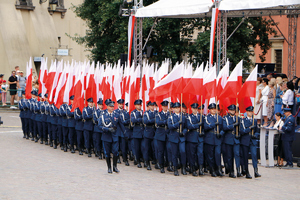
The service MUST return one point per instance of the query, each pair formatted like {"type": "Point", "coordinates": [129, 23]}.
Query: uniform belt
{"type": "Point", "coordinates": [127, 126]}
{"type": "Point", "coordinates": [138, 124]}
{"type": "Point", "coordinates": [65, 117]}
{"type": "Point", "coordinates": [161, 126]}
{"type": "Point", "coordinates": [150, 126]}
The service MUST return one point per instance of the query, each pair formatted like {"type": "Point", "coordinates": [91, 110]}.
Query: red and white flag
{"type": "Point", "coordinates": [209, 83]}
{"type": "Point", "coordinates": [130, 36]}
{"type": "Point", "coordinates": [60, 89]}
{"type": "Point", "coordinates": [42, 77]}
{"type": "Point", "coordinates": [91, 84]}
{"type": "Point", "coordinates": [79, 92]}
{"type": "Point", "coordinates": [55, 81]}
{"type": "Point", "coordinates": [214, 19]}
{"type": "Point", "coordinates": [28, 79]}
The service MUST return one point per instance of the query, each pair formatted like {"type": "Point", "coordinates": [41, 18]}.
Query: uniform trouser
{"type": "Point", "coordinates": [124, 147]}
{"type": "Point", "coordinates": [40, 129]}
{"type": "Point", "coordinates": [26, 120]}
{"type": "Point", "coordinates": [213, 155]}
{"type": "Point", "coordinates": [200, 153]}
{"type": "Point", "coordinates": [252, 149]}
{"type": "Point", "coordinates": [72, 135]}
{"type": "Point", "coordinates": [169, 151]}
{"type": "Point", "coordinates": [60, 134]}
{"type": "Point", "coordinates": [178, 148]}
{"type": "Point", "coordinates": [88, 135]}
{"type": "Point", "coordinates": [233, 151]}
{"type": "Point", "coordinates": [45, 130]}
{"type": "Point", "coordinates": [287, 149]}
{"type": "Point", "coordinates": [155, 148]}
{"type": "Point", "coordinates": [147, 148]}
{"type": "Point", "coordinates": [161, 147]}
{"type": "Point", "coordinates": [35, 128]}
{"type": "Point", "coordinates": [79, 134]}
{"type": "Point", "coordinates": [30, 126]}
{"type": "Point", "coordinates": [97, 141]}
{"type": "Point", "coordinates": [65, 134]}
{"type": "Point", "coordinates": [23, 124]}
{"type": "Point", "coordinates": [111, 147]}
{"type": "Point", "coordinates": [137, 142]}
{"type": "Point", "coordinates": [224, 154]}
{"type": "Point", "coordinates": [50, 131]}
{"type": "Point", "coordinates": [153, 152]}
{"type": "Point", "coordinates": [54, 131]}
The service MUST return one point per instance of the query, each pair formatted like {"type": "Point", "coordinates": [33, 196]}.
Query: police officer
{"type": "Point", "coordinates": [49, 120]}
{"type": "Point", "coordinates": [38, 118]}
{"type": "Point", "coordinates": [108, 124]}
{"type": "Point", "coordinates": [65, 129]}
{"type": "Point", "coordinates": [97, 133]}
{"type": "Point", "coordinates": [71, 124]}
{"type": "Point", "coordinates": [23, 115]}
{"type": "Point", "coordinates": [194, 137]}
{"type": "Point", "coordinates": [87, 115]}
{"type": "Point", "coordinates": [79, 129]}
{"type": "Point", "coordinates": [231, 123]}
{"type": "Point", "coordinates": [127, 134]}
{"type": "Point", "coordinates": [161, 123]}
{"type": "Point", "coordinates": [54, 119]}
{"type": "Point", "coordinates": [60, 128]}
{"type": "Point", "coordinates": [44, 129]}
{"type": "Point", "coordinates": [33, 115]}
{"type": "Point", "coordinates": [149, 131]}
{"type": "Point", "coordinates": [213, 139]}
{"type": "Point", "coordinates": [288, 136]}
{"type": "Point", "coordinates": [176, 124]}
{"type": "Point", "coordinates": [120, 128]}
{"type": "Point", "coordinates": [138, 130]}
{"type": "Point", "coordinates": [30, 113]}
{"type": "Point", "coordinates": [249, 135]}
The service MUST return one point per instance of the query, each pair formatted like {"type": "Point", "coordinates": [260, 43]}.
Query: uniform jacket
{"type": "Point", "coordinates": [78, 118]}
{"type": "Point", "coordinates": [161, 123]}
{"type": "Point", "coordinates": [87, 115]}
{"type": "Point", "coordinates": [120, 128]}
{"type": "Point", "coordinates": [63, 114]}
{"type": "Point", "coordinates": [210, 129]}
{"type": "Point", "coordinates": [149, 123]}
{"type": "Point", "coordinates": [43, 111]}
{"type": "Point", "coordinates": [288, 129]}
{"type": "Point", "coordinates": [174, 127]}
{"type": "Point", "coordinates": [125, 123]}
{"type": "Point", "coordinates": [230, 130]}
{"type": "Point", "coordinates": [70, 116]}
{"type": "Point", "coordinates": [246, 138]}
{"type": "Point", "coordinates": [107, 121]}
{"type": "Point", "coordinates": [96, 115]}
{"type": "Point", "coordinates": [54, 118]}
{"type": "Point", "coordinates": [193, 128]}
{"type": "Point", "coordinates": [137, 123]}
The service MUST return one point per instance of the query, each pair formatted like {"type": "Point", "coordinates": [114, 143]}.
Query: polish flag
{"type": "Point", "coordinates": [60, 89]}
{"type": "Point", "coordinates": [233, 86]}
{"type": "Point", "coordinates": [215, 12]}
{"type": "Point", "coordinates": [209, 83]}
{"type": "Point", "coordinates": [248, 91]}
{"type": "Point", "coordinates": [90, 84]}
{"type": "Point", "coordinates": [222, 78]}
{"type": "Point", "coordinates": [79, 92]}
{"type": "Point", "coordinates": [144, 85]}
{"type": "Point", "coordinates": [42, 75]}
{"type": "Point", "coordinates": [195, 85]}
{"type": "Point", "coordinates": [69, 84]}
{"type": "Point", "coordinates": [117, 82]}
{"type": "Point", "coordinates": [130, 36]}
{"type": "Point", "coordinates": [55, 80]}
{"type": "Point", "coordinates": [150, 82]}
{"type": "Point", "coordinates": [28, 80]}
{"type": "Point", "coordinates": [133, 95]}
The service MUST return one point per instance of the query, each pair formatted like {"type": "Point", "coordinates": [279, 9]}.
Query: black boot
{"type": "Point", "coordinates": [61, 146]}
{"type": "Point", "coordinates": [212, 172]}
{"type": "Point", "coordinates": [32, 138]}
{"type": "Point", "coordinates": [238, 172]}
{"type": "Point", "coordinates": [170, 168]}
{"type": "Point", "coordinates": [100, 155]}
{"type": "Point", "coordinates": [231, 174]}
{"type": "Point", "coordinates": [119, 161]}
{"type": "Point", "coordinates": [157, 166]}
{"type": "Point", "coordinates": [27, 136]}
{"type": "Point", "coordinates": [36, 139]}
{"type": "Point", "coordinates": [46, 142]}
{"type": "Point", "coordinates": [201, 172]}
{"type": "Point", "coordinates": [193, 171]}
{"type": "Point", "coordinates": [256, 174]}
{"type": "Point", "coordinates": [80, 152]}
{"type": "Point", "coordinates": [55, 144]}
{"type": "Point", "coordinates": [135, 161]}
{"type": "Point", "coordinates": [149, 165]}
{"type": "Point", "coordinates": [24, 135]}
{"type": "Point", "coordinates": [183, 170]}
{"type": "Point", "coordinates": [226, 168]}
{"type": "Point", "coordinates": [72, 149]}
{"type": "Point", "coordinates": [65, 148]}
{"type": "Point", "coordinates": [51, 144]}
{"type": "Point", "coordinates": [89, 153]}
{"type": "Point", "coordinates": [115, 161]}
{"type": "Point", "coordinates": [248, 175]}
{"type": "Point", "coordinates": [108, 162]}
{"type": "Point", "coordinates": [131, 157]}
{"type": "Point", "coordinates": [138, 163]}
{"type": "Point", "coordinates": [243, 170]}
{"type": "Point", "coordinates": [126, 162]}
{"type": "Point", "coordinates": [219, 172]}
{"type": "Point", "coordinates": [42, 141]}
{"type": "Point", "coordinates": [176, 171]}
{"type": "Point", "coordinates": [162, 169]}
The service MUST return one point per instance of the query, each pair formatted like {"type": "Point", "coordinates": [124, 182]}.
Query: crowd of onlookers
{"type": "Point", "coordinates": [14, 85]}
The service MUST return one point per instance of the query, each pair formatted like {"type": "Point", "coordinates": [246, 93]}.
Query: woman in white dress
{"type": "Point", "coordinates": [264, 99]}
{"type": "Point", "coordinates": [257, 109]}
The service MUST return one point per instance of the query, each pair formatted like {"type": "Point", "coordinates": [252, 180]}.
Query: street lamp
{"type": "Point", "coordinates": [53, 5]}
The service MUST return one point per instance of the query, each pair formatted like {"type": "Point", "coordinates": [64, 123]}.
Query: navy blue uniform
{"type": "Point", "coordinates": [126, 143]}
{"type": "Point", "coordinates": [65, 129]}
{"type": "Point", "coordinates": [23, 115]}
{"type": "Point", "coordinates": [194, 141]}
{"type": "Point", "coordinates": [71, 126]}
{"type": "Point", "coordinates": [79, 128]}
{"type": "Point", "coordinates": [32, 117]}
{"type": "Point", "coordinates": [249, 142]}
{"type": "Point", "coordinates": [97, 131]}
{"type": "Point", "coordinates": [59, 128]}
{"type": "Point", "coordinates": [231, 140]}
{"type": "Point", "coordinates": [49, 119]}
{"type": "Point", "coordinates": [137, 132]}
{"type": "Point", "coordinates": [149, 131]}
{"type": "Point", "coordinates": [108, 124]}
{"type": "Point", "coordinates": [176, 139]}
{"type": "Point", "coordinates": [54, 119]}
{"type": "Point", "coordinates": [88, 127]}
{"type": "Point", "coordinates": [161, 134]}
{"type": "Point", "coordinates": [44, 134]}
{"type": "Point", "coordinates": [213, 140]}
{"type": "Point", "coordinates": [287, 138]}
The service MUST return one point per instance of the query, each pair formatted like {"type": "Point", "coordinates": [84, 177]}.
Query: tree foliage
{"type": "Point", "coordinates": [106, 36]}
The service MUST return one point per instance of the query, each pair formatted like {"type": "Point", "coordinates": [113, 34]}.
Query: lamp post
{"type": "Point", "coordinates": [53, 5]}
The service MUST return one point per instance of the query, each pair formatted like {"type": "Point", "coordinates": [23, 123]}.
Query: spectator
{"type": "Point", "coordinates": [4, 88]}
{"type": "Point", "coordinates": [264, 99]}
{"type": "Point", "coordinates": [22, 84]}
{"type": "Point", "coordinates": [279, 151]}
{"type": "Point", "coordinates": [278, 100]}
{"type": "Point", "coordinates": [270, 102]}
{"type": "Point", "coordinates": [36, 85]}
{"type": "Point", "coordinates": [1, 80]}
{"type": "Point", "coordinates": [288, 96]}
{"type": "Point", "coordinates": [257, 100]}
{"type": "Point", "coordinates": [13, 81]}
{"type": "Point", "coordinates": [269, 77]}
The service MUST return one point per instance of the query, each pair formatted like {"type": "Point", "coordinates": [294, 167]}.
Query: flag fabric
{"type": "Point", "coordinates": [214, 19]}
{"type": "Point", "coordinates": [50, 78]}
{"type": "Point", "coordinates": [42, 75]}
{"type": "Point", "coordinates": [28, 79]}
{"type": "Point", "coordinates": [130, 36]}
{"type": "Point", "coordinates": [60, 89]}
{"type": "Point", "coordinates": [79, 92]}
{"type": "Point", "coordinates": [209, 83]}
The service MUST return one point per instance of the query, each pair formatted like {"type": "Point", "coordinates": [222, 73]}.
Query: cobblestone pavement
{"type": "Point", "coordinates": [30, 170]}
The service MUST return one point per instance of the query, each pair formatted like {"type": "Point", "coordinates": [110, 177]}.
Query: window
{"type": "Point", "coordinates": [278, 60]}
{"type": "Point", "coordinates": [57, 6]}
{"type": "Point", "coordinates": [24, 5]}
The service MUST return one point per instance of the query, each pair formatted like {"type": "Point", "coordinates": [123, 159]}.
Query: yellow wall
{"type": "Point", "coordinates": [25, 34]}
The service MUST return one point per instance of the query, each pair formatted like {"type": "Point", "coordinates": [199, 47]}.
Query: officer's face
{"type": "Point", "coordinates": [138, 107]}
{"type": "Point", "coordinates": [126, 108]}
{"type": "Point", "coordinates": [213, 111]}
{"type": "Point", "coordinates": [231, 112]}
{"type": "Point", "coordinates": [176, 110]}
{"type": "Point", "coordinates": [90, 104]}
{"type": "Point", "coordinates": [165, 108]}
{"type": "Point", "coordinates": [100, 106]}
{"type": "Point", "coordinates": [194, 110]}
{"type": "Point", "coordinates": [151, 108]}
{"type": "Point", "coordinates": [120, 106]}
{"type": "Point", "coordinates": [71, 101]}
{"type": "Point", "coordinates": [249, 113]}
{"type": "Point", "coordinates": [200, 111]}
{"type": "Point", "coordinates": [287, 113]}
{"type": "Point", "coordinates": [110, 109]}
{"type": "Point", "coordinates": [184, 110]}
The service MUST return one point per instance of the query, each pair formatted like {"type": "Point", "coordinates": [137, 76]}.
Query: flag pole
{"type": "Point", "coordinates": [253, 120]}
{"type": "Point", "coordinates": [180, 127]}
{"type": "Point", "coordinates": [217, 115]}
{"type": "Point", "coordinates": [200, 128]}
{"type": "Point", "coordinates": [236, 110]}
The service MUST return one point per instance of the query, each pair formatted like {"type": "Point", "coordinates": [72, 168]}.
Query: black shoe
{"type": "Point", "coordinates": [213, 173]}
{"type": "Point", "coordinates": [139, 165]}
{"type": "Point", "coordinates": [176, 171]}
{"type": "Point", "coordinates": [243, 170]}
{"type": "Point", "coordinates": [145, 164]}
{"type": "Point", "coordinates": [61, 147]}
{"type": "Point", "coordinates": [80, 153]}
{"type": "Point", "coordinates": [201, 172]}
{"type": "Point", "coordinates": [238, 172]}
{"type": "Point", "coordinates": [219, 172]}
{"type": "Point", "coordinates": [256, 174]}
{"type": "Point", "coordinates": [46, 142]}
{"type": "Point", "coordinates": [226, 168]}
{"type": "Point", "coordinates": [287, 166]}
{"type": "Point", "coordinates": [51, 144]}
{"type": "Point", "coordinates": [72, 149]}
{"type": "Point", "coordinates": [135, 161]}
{"type": "Point", "coordinates": [100, 156]}
{"type": "Point", "coordinates": [248, 175]}
{"type": "Point", "coordinates": [153, 162]}
{"type": "Point", "coordinates": [32, 139]}
{"type": "Point", "coordinates": [115, 161]}
{"type": "Point", "coordinates": [41, 141]}
{"type": "Point", "coordinates": [36, 140]}
{"type": "Point", "coordinates": [231, 174]}
{"type": "Point", "coordinates": [119, 161]}
{"type": "Point", "coordinates": [27, 136]}
{"type": "Point", "coordinates": [149, 165]}
{"type": "Point", "coordinates": [131, 157]}
{"type": "Point", "coordinates": [162, 170]}
{"type": "Point", "coordinates": [55, 146]}
{"type": "Point", "coordinates": [65, 148]}
{"type": "Point", "coordinates": [157, 166]}
{"type": "Point", "coordinates": [126, 162]}
{"type": "Point", "coordinates": [170, 168]}
{"type": "Point", "coordinates": [194, 173]}
{"type": "Point", "coordinates": [108, 162]}
{"type": "Point", "coordinates": [89, 153]}
{"type": "Point", "coordinates": [183, 170]}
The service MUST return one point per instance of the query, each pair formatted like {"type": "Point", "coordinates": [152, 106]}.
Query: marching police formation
{"type": "Point", "coordinates": [171, 138]}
